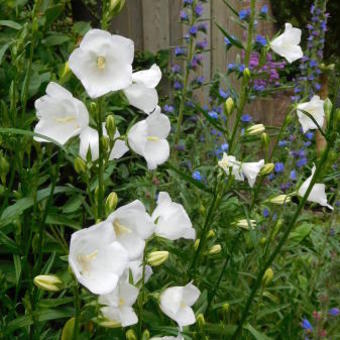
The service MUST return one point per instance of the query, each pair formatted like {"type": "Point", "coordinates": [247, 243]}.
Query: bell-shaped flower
{"type": "Point", "coordinates": [61, 116]}
{"type": "Point", "coordinates": [148, 138]}
{"type": "Point", "coordinates": [132, 225]}
{"type": "Point", "coordinates": [318, 193]}
{"type": "Point", "coordinates": [136, 269]}
{"type": "Point", "coordinates": [251, 170]}
{"type": "Point", "coordinates": [230, 163]}
{"type": "Point", "coordinates": [315, 107]}
{"type": "Point", "coordinates": [142, 93]}
{"type": "Point", "coordinates": [287, 44]}
{"type": "Point", "coordinates": [103, 62]}
{"type": "Point", "coordinates": [89, 141]}
{"type": "Point", "coordinates": [96, 259]}
{"type": "Point", "coordinates": [178, 337]}
{"type": "Point", "coordinates": [171, 219]}
{"type": "Point", "coordinates": [118, 305]}
{"type": "Point", "coordinates": [176, 303]}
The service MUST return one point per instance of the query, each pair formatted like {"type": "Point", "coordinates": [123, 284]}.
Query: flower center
{"type": "Point", "coordinates": [101, 62]}
{"type": "Point", "coordinates": [64, 120]}
{"type": "Point", "coordinates": [152, 138]}
{"type": "Point", "coordinates": [183, 304]}
{"type": "Point", "coordinates": [120, 229]}
{"type": "Point", "coordinates": [85, 261]}
{"type": "Point", "coordinates": [121, 302]}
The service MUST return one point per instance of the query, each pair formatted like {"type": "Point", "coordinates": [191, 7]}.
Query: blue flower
{"type": "Point", "coordinates": [179, 51]}
{"type": "Point", "coordinates": [313, 63]}
{"type": "Point", "coordinates": [176, 68]}
{"type": "Point", "coordinates": [199, 10]}
{"type": "Point", "coordinates": [279, 167]}
{"type": "Point", "coordinates": [306, 325]}
{"type": "Point", "coordinates": [227, 41]}
{"type": "Point", "coordinates": [168, 108]}
{"type": "Point", "coordinates": [244, 14]}
{"type": "Point", "coordinates": [241, 68]}
{"type": "Point", "coordinates": [309, 135]}
{"type": "Point", "coordinates": [246, 118]}
{"type": "Point", "coordinates": [264, 10]}
{"type": "Point", "coordinates": [334, 311]}
{"type": "Point", "coordinates": [261, 40]}
{"type": "Point", "coordinates": [193, 30]}
{"type": "Point", "coordinates": [301, 162]}
{"type": "Point", "coordinates": [183, 15]}
{"type": "Point", "coordinates": [196, 175]}
{"type": "Point", "coordinates": [230, 67]}
{"type": "Point", "coordinates": [178, 85]}
{"type": "Point", "coordinates": [283, 143]}
{"type": "Point", "coordinates": [200, 80]}
{"type": "Point", "coordinates": [225, 147]}
{"type": "Point", "coordinates": [213, 114]}
{"type": "Point", "coordinates": [265, 213]}
{"type": "Point", "coordinates": [188, 2]}
{"type": "Point", "coordinates": [293, 175]}
{"type": "Point", "coordinates": [223, 94]}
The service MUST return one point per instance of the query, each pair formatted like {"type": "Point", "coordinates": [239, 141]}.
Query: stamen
{"type": "Point", "coordinates": [85, 261]}
{"type": "Point", "coordinates": [152, 138]}
{"type": "Point", "coordinates": [64, 120]}
{"type": "Point", "coordinates": [120, 229]}
{"type": "Point", "coordinates": [101, 62]}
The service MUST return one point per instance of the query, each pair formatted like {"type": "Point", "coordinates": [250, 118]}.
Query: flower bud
{"type": "Point", "coordinates": [4, 168]}
{"type": "Point", "coordinates": [146, 335]}
{"type": "Point", "coordinates": [109, 324]}
{"type": "Point", "coordinates": [200, 320]}
{"type": "Point", "coordinates": [79, 165]}
{"type": "Point", "coordinates": [215, 249]}
{"type": "Point", "coordinates": [65, 72]}
{"type": "Point", "coordinates": [111, 203]}
{"type": "Point", "coordinates": [229, 106]}
{"type": "Point", "coordinates": [255, 129]}
{"type": "Point", "coordinates": [267, 277]}
{"type": "Point", "coordinates": [263, 240]}
{"type": "Point", "coordinates": [265, 139]}
{"type": "Point", "coordinates": [130, 335]}
{"type": "Point", "coordinates": [244, 224]}
{"type": "Point", "coordinates": [93, 109]}
{"type": "Point", "coordinates": [51, 283]}
{"type": "Point", "coordinates": [280, 199]}
{"type": "Point", "coordinates": [211, 233]}
{"type": "Point", "coordinates": [156, 258]}
{"type": "Point", "coordinates": [111, 126]}
{"type": "Point", "coordinates": [116, 6]}
{"type": "Point", "coordinates": [196, 244]}
{"type": "Point", "coordinates": [267, 169]}
{"type": "Point", "coordinates": [246, 73]}
{"type": "Point", "coordinates": [68, 329]}
{"type": "Point", "coordinates": [328, 106]}
{"type": "Point", "coordinates": [105, 143]}
{"type": "Point", "coordinates": [226, 307]}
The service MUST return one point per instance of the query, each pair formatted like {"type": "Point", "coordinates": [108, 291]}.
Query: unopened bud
{"type": "Point", "coordinates": [156, 258]}
{"type": "Point", "coordinates": [245, 225]}
{"type": "Point", "coordinates": [226, 307]}
{"type": "Point", "coordinates": [130, 335]}
{"type": "Point", "coordinates": [200, 320]}
{"type": "Point", "coordinates": [116, 6]}
{"type": "Point", "coordinates": [268, 276]}
{"type": "Point", "coordinates": [65, 71]}
{"type": "Point", "coordinates": [111, 203]}
{"type": "Point", "coordinates": [246, 73]}
{"type": "Point", "coordinates": [267, 169]}
{"type": "Point", "coordinates": [35, 25]}
{"type": "Point", "coordinates": [215, 249]}
{"type": "Point", "coordinates": [110, 324]}
{"type": "Point", "coordinates": [51, 283]}
{"type": "Point", "coordinates": [265, 139]}
{"type": "Point", "coordinates": [328, 106]}
{"type": "Point", "coordinates": [93, 109]}
{"type": "Point", "coordinates": [4, 169]}
{"type": "Point", "coordinates": [263, 240]}
{"type": "Point", "coordinates": [79, 165]}
{"type": "Point", "coordinates": [105, 143]}
{"type": "Point", "coordinates": [280, 199]}
{"type": "Point", "coordinates": [255, 129]}
{"type": "Point", "coordinates": [211, 233]}
{"type": "Point", "coordinates": [146, 335]}
{"type": "Point", "coordinates": [196, 244]}
{"type": "Point", "coordinates": [111, 126]}
{"type": "Point", "coordinates": [68, 329]}
{"type": "Point", "coordinates": [229, 106]}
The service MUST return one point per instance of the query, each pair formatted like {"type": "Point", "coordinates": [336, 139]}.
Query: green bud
{"type": "Point", "coordinates": [267, 277]}
{"type": "Point", "coordinates": [229, 106]}
{"type": "Point", "coordinates": [79, 165]}
{"type": "Point", "coordinates": [196, 244]}
{"type": "Point", "coordinates": [68, 329]}
{"type": "Point", "coordinates": [226, 307]}
{"type": "Point", "coordinates": [146, 335]}
{"type": "Point", "coordinates": [246, 73]}
{"type": "Point", "coordinates": [211, 233]}
{"type": "Point", "coordinates": [215, 249]}
{"type": "Point", "coordinates": [111, 203]}
{"type": "Point", "coordinates": [156, 258]}
{"type": "Point", "coordinates": [105, 143]}
{"type": "Point", "coordinates": [265, 139]}
{"type": "Point", "coordinates": [51, 283]}
{"type": "Point", "coordinates": [35, 25]}
{"type": "Point", "coordinates": [111, 126]}
{"type": "Point", "coordinates": [94, 109]}
{"type": "Point", "coordinates": [116, 6]}
{"type": "Point", "coordinates": [130, 335]}
{"type": "Point", "coordinates": [4, 169]}
{"type": "Point", "coordinates": [200, 320]}
{"type": "Point", "coordinates": [255, 129]}
{"type": "Point", "coordinates": [280, 199]}
{"type": "Point", "coordinates": [263, 240]}
{"type": "Point", "coordinates": [267, 169]}
{"type": "Point", "coordinates": [328, 106]}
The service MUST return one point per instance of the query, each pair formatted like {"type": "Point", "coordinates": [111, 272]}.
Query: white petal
{"type": "Point", "coordinates": [128, 293]}
{"type": "Point", "coordinates": [119, 148]}
{"type": "Point", "coordinates": [57, 91]}
{"type": "Point", "coordinates": [156, 153]}
{"type": "Point", "coordinates": [190, 294]}
{"type": "Point", "coordinates": [170, 301]}
{"type": "Point", "coordinates": [125, 47]}
{"type": "Point", "coordinates": [94, 39]}
{"type": "Point", "coordinates": [133, 244]}
{"type": "Point", "coordinates": [149, 78]}
{"type": "Point", "coordinates": [128, 316]}
{"type": "Point", "coordinates": [158, 125]}
{"type": "Point", "coordinates": [137, 137]}
{"type": "Point", "coordinates": [136, 268]}
{"type": "Point", "coordinates": [185, 316]}
{"type": "Point", "coordinates": [141, 97]}
{"type": "Point", "coordinates": [89, 140]}
{"type": "Point", "coordinates": [251, 170]}
{"type": "Point", "coordinates": [314, 107]}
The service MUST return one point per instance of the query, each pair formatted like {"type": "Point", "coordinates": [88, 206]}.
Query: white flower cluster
{"type": "Point", "coordinates": [103, 255]}
{"type": "Point", "coordinates": [103, 63]}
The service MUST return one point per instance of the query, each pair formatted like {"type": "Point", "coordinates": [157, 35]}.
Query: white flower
{"type": "Point", "coordinates": [132, 225]}
{"type": "Point", "coordinates": [243, 223]}
{"type": "Point", "coordinates": [315, 107]}
{"type": "Point", "coordinates": [172, 221]}
{"type": "Point", "coordinates": [142, 93]}
{"type": "Point", "coordinates": [103, 62]}
{"type": "Point", "coordinates": [175, 302]}
{"type": "Point", "coordinates": [148, 138]}
{"type": "Point", "coordinates": [230, 162]}
{"type": "Point", "coordinates": [251, 170]}
{"type": "Point", "coordinates": [89, 141]}
{"type": "Point", "coordinates": [118, 304]}
{"type": "Point", "coordinates": [318, 193]}
{"type": "Point", "coordinates": [96, 259]}
{"type": "Point", "coordinates": [136, 268]}
{"type": "Point", "coordinates": [287, 44]}
{"type": "Point", "coordinates": [178, 337]}
{"type": "Point", "coordinates": [61, 116]}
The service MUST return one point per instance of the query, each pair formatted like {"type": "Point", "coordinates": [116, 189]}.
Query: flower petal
{"type": "Point", "coordinates": [149, 78]}
{"type": "Point", "coordinates": [141, 97]}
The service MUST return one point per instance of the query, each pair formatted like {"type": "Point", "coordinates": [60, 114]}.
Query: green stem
{"type": "Point", "coordinates": [141, 298]}
{"type": "Point", "coordinates": [283, 240]}
{"type": "Point", "coordinates": [77, 311]}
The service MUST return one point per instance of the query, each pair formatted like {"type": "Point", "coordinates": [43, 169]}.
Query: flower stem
{"type": "Point", "coordinates": [77, 311]}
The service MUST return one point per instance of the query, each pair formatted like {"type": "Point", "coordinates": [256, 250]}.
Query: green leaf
{"type": "Point", "coordinates": [231, 8]}
{"type": "Point", "coordinates": [8, 243]}
{"type": "Point", "coordinates": [56, 39]}
{"type": "Point", "coordinates": [300, 233]}
{"type": "Point", "coordinates": [10, 24]}
{"type": "Point", "coordinates": [17, 266]}
{"type": "Point", "coordinates": [52, 13]}
{"type": "Point", "coordinates": [68, 329]}
{"type": "Point", "coordinates": [3, 50]}
{"type": "Point", "coordinates": [58, 219]}
{"type": "Point", "coordinates": [233, 40]}
{"type": "Point", "coordinates": [257, 335]}
{"type": "Point", "coordinates": [73, 204]}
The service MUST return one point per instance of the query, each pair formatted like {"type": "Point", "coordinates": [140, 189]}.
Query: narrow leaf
{"type": "Point", "coordinates": [232, 40]}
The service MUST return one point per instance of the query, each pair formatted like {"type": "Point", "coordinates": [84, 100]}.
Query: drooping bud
{"type": "Point", "coordinates": [51, 283]}
{"type": "Point", "coordinates": [68, 329]}
{"type": "Point", "coordinates": [110, 324]}
{"type": "Point", "coordinates": [79, 165]}
{"type": "Point", "coordinates": [267, 277]}
{"type": "Point", "coordinates": [65, 72]}
{"type": "Point", "coordinates": [111, 203]}
{"type": "Point", "coordinates": [215, 249]}
{"type": "Point", "coordinates": [200, 320]}
{"type": "Point", "coordinates": [280, 199]}
{"type": "Point", "coordinates": [267, 169]}
{"type": "Point", "coordinates": [255, 129]}
{"type": "Point", "coordinates": [105, 143]}
{"type": "Point", "coordinates": [111, 126]}
{"type": "Point", "coordinates": [130, 335]}
{"type": "Point", "coordinates": [156, 258]}
{"type": "Point", "coordinates": [229, 106]}
{"type": "Point", "coordinates": [245, 225]}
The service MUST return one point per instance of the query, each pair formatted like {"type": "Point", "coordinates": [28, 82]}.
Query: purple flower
{"type": "Point", "coordinates": [179, 51]}
{"type": "Point", "coordinates": [196, 175]}
{"type": "Point", "coordinates": [225, 147]}
{"type": "Point", "coordinates": [283, 143]}
{"type": "Point", "coordinates": [241, 68]}
{"type": "Point", "coordinates": [244, 14]}
{"type": "Point", "coordinates": [334, 311]}
{"type": "Point", "coordinates": [223, 94]}
{"type": "Point", "coordinates": [187, 2]}
{"type": "Point", "coordinates": [265, 213]}
{"type": "Point", "coordinates": [230, 67]}
{"type": "Point", "coordinates": [168, 108]}
{"type": "Point", "coordinates": [301, 162]}
{"type": "Point", "coordinates": [261, 40]}
{"type": "Point", "coordinates": [246, 118]}
{"type": "Point", "coordinates": [183, 15]}
{"type": "Point", "coordinates": [178, 85]}
{"type": "Point", "coordinates": [227, 42]}
{"type": "Point", "coordinates": [264, 10]}
{"type": "Point", "coordinates": [200, 80]}
{"type": "Point", "coordinates": [279, 167]}
{"type": "Point", "coordinates": [293, 175]}
{"type": "Point", "coordinates": [199, 10]}
{"type": "Point", "coordinates": [306, 325]}
{"type": "Point", "coordinates": [213, 114]}
{"type": "Point", "coordinates": [176, 68]}
{"type": "Point", "coordinates": [201, 45]}
{"type": "Point", "coordinates": [309, 135]}
{"type": "Point", "coordinates": [203, 27]}
{"type": "Point", "coordinates": [313, 63]}
{"type": "Point", "coordinates": [193, 30]}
